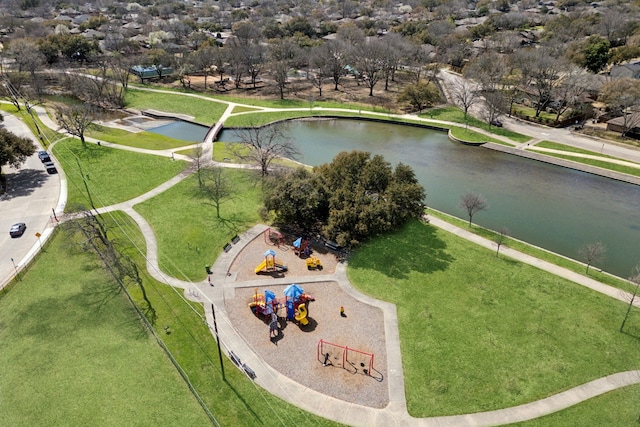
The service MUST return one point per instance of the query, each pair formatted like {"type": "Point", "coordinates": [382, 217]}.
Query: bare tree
{"type": "Point", "coordinates": [262, 145]}
{"type": "Point", "coordinates": [541, 71]}
{"type": "Point", "coordinates": [473, 203]}
{"type": "Point", "coordinates": [283, 53]}
{"type": "Point", "coordinates": [495, 104]}
{"type": "Point", "coordinates": [371, 60]}
{"type": "Point", "coordinates": [217, 187]}
{"type": "Point", "coordinates": [465, 95]}
{"type": "Point", "coordinates": [501, 238]}
{"type": "Point", "coordinates": [592, 253]}
{"type": "Point", "coordinates": [331, 58]}
{"type": "Point", "coordinates": [622, 96]}
{"type": "Point", "coordinates": [635, 279]}
{"type": "Point", "coordinates": [75, 119]}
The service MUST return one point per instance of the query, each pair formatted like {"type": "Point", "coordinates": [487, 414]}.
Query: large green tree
{"type": "Point", "coordinates": [350, 199]}
{"type": "Point", "coordinates": [14, 150]}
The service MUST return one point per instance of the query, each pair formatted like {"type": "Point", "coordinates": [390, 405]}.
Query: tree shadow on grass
{"type": "Point", "coordinates": [416, 247]}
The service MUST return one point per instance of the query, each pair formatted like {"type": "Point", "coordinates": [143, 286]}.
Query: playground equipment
{"type": "Point", "coordinates": [264, 304]}
{"type": "Point", "coordinates": [274, 237]}
{"type": "Point", "coordinates": [313, 263]}
{"type": "Point", "coordinates": [354, 361]}
{"type": "Point", "coordinates": [297, 304]}
{"type": "Point", "coordinates": [269, 265]}
{"type": "Point", "coordinates": [301, 315]}
{"type": "Point", "coordinates": [301, 247]}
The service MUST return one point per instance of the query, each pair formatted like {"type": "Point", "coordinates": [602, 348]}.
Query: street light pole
{"type": "Point", "coordinates": [15, 268]}
{"type": "Point", "coordinates": [215, 328]}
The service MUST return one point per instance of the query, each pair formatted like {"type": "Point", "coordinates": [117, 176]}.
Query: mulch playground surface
{"type": "Point", "coordinates": [294, 352]}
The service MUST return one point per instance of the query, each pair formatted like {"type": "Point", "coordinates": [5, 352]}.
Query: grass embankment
{"type": "Point", "coordinates": [202, 110]}
{"type": "Point", "coordinates": [188, 232]}
{"type": "Point", "coordinates": [34, 123]}
{"type": "Point", "coordinates": [453, 114]}
{"type": "Point", "coordinates": [146, 140]}
{"type": "Point", "coordinates": [112, 175]}
{"type": "Point", "coordinates": [73, 351]}
{"type": "Point", "coordinates": [480, 331]}
{"type": "Point", "coordinates": [604, 164]}
{"type": "Point", "coordinates": [534, 251]}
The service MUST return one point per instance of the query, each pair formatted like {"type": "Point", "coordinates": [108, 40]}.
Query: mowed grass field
{"type": "Point", "coordinates": [482, 332]}
{"type": "Point", "coordinates": [74, 353]}
{"type": "Point", "coordinates": [111, 175]}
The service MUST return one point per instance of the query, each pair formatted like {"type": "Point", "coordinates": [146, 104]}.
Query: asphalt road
{"type": "Point", "coordinates": [31, 195]}
{"type": "Point", "coordinates": [565, 136]}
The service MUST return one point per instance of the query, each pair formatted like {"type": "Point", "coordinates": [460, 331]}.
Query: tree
{"type": "Point", "coordinates": [622, 96]}
{"type": "Point", "coordinates": [262, 145]}
{"type": "Point", "coordinates": [371, 61]}
{"type": "Point", "coordinates": [297, 197]}
{"type": "Point", "coordinates": [592, 253]}
{"type": "Point", "coordinates": [331, 59]}
{"type": "Point", "coordinates": [75, 119]}
{"type": "Point", "coordinates": [465, 95]}
{"type": "Point", "coordinates": [473, 203]}
{"type": "Point", "coordinates": [282, 54]}
{"type": "Point", "coordinates": [217, 187]}
{"type": "Point", "coordinates": [27, 56]}
{"type": "Point", "coordinates": [541, 71]}
{"type": "Point", "coordinates": [595, 54]}
{"type": "Point", "coordinates": [204, 59]}
{"type": "Point", "coordinates": [501, 238]}
{"type": "Point", "coordinates": [635, 279]}
{"type": "Point", "coordinates": [14, 150]}
{"type": "Point", "coordinates": [420, 95]}
{"type": "Point", "coordinates": [495, 104]}
{"type": "Point", "coordinates": [366, 197]}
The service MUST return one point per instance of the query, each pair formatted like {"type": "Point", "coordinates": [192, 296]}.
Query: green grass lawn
{"type": "Point", "coordinates": [147, 140]}
{"type": "Point", "coordinates": [616, 408]}
{"type": "Point", "coordinates": [597, 163]}
{"type": "Point", "coordinates": [470, 136]}
{"type": "Point", "coordinates": [74, 353]}
{"type": "Point", "coordinates": [481, 332]}
{"type": "Point", "coordinates": [538, 253]}
{"type": "Point", "coordinates": [34, 124]}
{"type": "Point", "coordinates": [188, 232]}
{"type": "Point", "coordinates": [112, 175]}
{"type": "Point", "coordinates": [202, 110]}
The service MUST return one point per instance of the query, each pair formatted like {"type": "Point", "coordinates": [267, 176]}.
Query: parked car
{"type": "Point", "coordinates": [50, 167]}
{"type": "Point", "coordinates": [496, 123]}
{"type": "Point", "coordinates": [18, 229]}
{"type": "Point", "coordinates": [44, 156]}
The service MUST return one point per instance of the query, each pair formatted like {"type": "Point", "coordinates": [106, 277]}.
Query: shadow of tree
{"type": "Point", "coordinates": [24, 182]}
{"type": "Point", "coordinates": [416, 247]}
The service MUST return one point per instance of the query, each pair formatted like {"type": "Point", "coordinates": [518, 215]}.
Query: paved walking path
{"type": "Point", "coordinates": [395, 414]}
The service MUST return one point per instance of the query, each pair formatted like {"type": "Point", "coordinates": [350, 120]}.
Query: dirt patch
{"type": "Point", "coordinates": [295, 351]}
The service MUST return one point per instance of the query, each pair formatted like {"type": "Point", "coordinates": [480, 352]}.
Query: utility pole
{"type": "Point", "coordinates": [215, 329]}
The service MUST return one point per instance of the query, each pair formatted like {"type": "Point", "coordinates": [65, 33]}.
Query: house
{"type": "Point", "coordinates": [632, 121]}
{"type": "Point", "coordinates": [630, 69]}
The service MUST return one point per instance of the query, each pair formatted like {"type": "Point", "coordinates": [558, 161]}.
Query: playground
{"type": "Point", "coordinates": [294, 351]}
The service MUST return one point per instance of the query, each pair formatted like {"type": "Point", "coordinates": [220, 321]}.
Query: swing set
{"type": "Point", "coordinates": [354, 361]}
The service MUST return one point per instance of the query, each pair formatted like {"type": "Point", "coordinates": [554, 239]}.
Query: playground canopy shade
{"type": "Point", "coordinates": [293, 291]}
{"type": "Point", "coordinates": [297, 242]}
{"type": "Point", "coordinates": [269, 296]}
{"type": "Point", "coordinates": [269, 252]}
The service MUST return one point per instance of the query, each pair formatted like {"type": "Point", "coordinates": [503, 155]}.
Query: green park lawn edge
{"type": "Point", "coordinates": [205, 111]}
{"type": "Point", "coordinates": [74, 352]}
{"type": "Point", "coordinates": [537, 252]}
{"type": "Point", "coordinates": [112, 175]}
{"type": "Point", "coordinates": [480, 331]}
{"type": "Point", "coordinates": [603, 164]}
{"type": "Point", "coordinates": [615, 408]}
{"type": "Point", "coordinates": [34, 123]}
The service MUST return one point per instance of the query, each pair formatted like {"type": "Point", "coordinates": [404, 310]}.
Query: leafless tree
{"type": "Point", "coordinates": [263, 145]}
{"type": "Point", "coordinates": [542, 71]}
{"type": "Point", "coordinates": [622, 96]}
{"type": "Point", "coordinates": [282, 53]}
{"type": "Point", "coordinates": [473, 203]}
{"type": "Point", "coordinates": [465, 95]}
{"type": "Point", "coordinates": [203, 60]}
{"type": "Point", "coordinates": [592, 253]}
{"type": "Point", "coordinates": [635, 279]}
{"type": "Point", "coordinates": [501, 238]}
{"type": "Point", "coordinates": [371, 60]}
{"type": "Point", "coordinates": [330, 59]}
{"type": "Point", "coordinates": [75, 119]}
{"type": "Point", "coordinates": [495, 104]}
{"type": "Point", "coordinates": [217, 187]}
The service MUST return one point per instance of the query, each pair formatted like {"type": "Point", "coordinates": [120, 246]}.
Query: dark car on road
{"type": "Point", "coordinates": [44, 156]}
{"type": "Point", "coordinates": [496, 123]}
{"type": "Point", "coordinates": [18, 229]}
{"type": "Point", "coordinates": [50, 167]}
